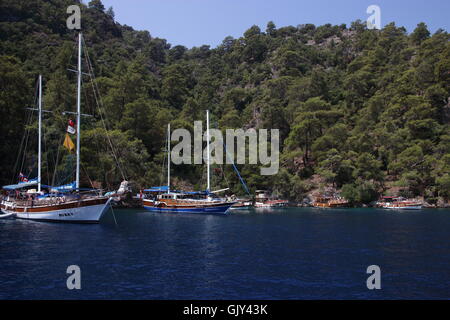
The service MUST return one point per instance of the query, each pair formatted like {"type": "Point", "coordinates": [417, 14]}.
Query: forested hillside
{"type": "Point", "coordinates": [365, 111]}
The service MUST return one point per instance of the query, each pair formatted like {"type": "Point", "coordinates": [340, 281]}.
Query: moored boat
{"type": "Point", "coordinates": [180, 202]}
{"type": "Point", "coordinates": [329, 202]}
{"type": "Point", "coordinates": [162, 199]}
{"type": "Point", "coordinates": [264, 200]}
{"type": "Point", "coordinates": [399, 203]}
{"type": "Point", "coordinates": [66, 203]}
{"type": "Point", "coordinates": [62, 208]}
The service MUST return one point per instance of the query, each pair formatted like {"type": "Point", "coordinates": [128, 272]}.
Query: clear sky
{"type": "Point", "coordinates": [198, 22]}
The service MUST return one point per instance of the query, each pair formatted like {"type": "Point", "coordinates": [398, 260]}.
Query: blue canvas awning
{"type": "Point", "coordinates": [157, 189]}
{"type": "Point", "coordinates": [196, 192]}
{"type": "Point", "coordinates": [67, 187]}
{"type": "Point", "coordinates": [21, 185]}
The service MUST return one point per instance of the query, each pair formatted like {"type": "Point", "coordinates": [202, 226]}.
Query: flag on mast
{"type": "Point", "coordinates": [22, 177]}
{"type": "Point", "coordinates": [68, 143]}
{"type": "Point", "coordinates": [71, 127]}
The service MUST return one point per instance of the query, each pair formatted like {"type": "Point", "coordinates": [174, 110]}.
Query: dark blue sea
{"type": "Point", "coordinates": [298, 253]}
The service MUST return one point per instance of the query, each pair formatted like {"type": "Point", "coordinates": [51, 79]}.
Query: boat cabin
{"type": "Point", "coordinates": [262, 195]}
{"type": "Point", "coordinates": [169, 196]}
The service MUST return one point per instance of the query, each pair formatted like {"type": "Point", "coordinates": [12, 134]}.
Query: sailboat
{"type": "Point", "coordinates": [162, 199]}
{"type": "Point", "coordinates": [57, 204]}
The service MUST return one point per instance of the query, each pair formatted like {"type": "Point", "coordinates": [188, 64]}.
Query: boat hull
{"type": "Point", "coordinates": [404, 208]}
{"type": "Point", "coordinates": [327, 206]}
{"type": "Point", "coordinates": [266, 205]}
{"type": "Point", "coordinates": [241, 208]}
{"type": "Point", "coordinates": [87, 211]}
{"type": "Point", "coordinates": [221, 208]}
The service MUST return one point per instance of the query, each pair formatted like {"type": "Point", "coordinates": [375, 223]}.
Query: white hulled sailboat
{"type": "Point", "coordinates": [74, 206]}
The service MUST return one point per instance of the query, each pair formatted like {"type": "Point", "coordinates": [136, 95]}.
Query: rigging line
{"type": "Point", "coordinates": [28, 131]}
{"type": "Point", "coordinates": [99, 102]}
{"type": "Point", "coordinates": [19, 153]}
{"type": "Point", "coordinates": [162, 176]}
{"type": "Point", "coordinates": [56, 162]}
{"type": "Point", "coordinates": [87, 175]}
{"type": "Point", "coordinates": [68, 178]}
{"type": "Point", "coordinates": [74, 49]}
{"type": "Point", "coordinates": [63, 124]}
{"type": "Point", "coordinates": [46, 154]}
{"type": "Point", "coordinates": [236, 169]}
{"type": "Point", "coordinates": [102, 162]}
{"type": "Point", "coordinates": [225, 176]}
{"type": "Point", "coordinates": [26, 146]}
{"type": "Point", "coordinates": [51, 154]}
{"type": "Point", "coordinates": [101, 111]}
{"type": "Point", "coordinates": [234, 166]}
{"type": "Point", "coordinates": [114, 216]}
{"type": "Point", "coordinates": [113, 150]}
{"type": "Point", "coordinates": [14, 172]}
{"type": "Point", "coordinates": [98, 148]}
{"type": "Point", "coordinates": [97, 134]}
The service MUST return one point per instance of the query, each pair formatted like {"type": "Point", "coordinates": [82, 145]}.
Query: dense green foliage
{"type": "Point", "coordinates": [362, 110]}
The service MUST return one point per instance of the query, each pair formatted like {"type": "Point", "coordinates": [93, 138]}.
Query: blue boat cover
{"type": "Point", "coordinates": [21, 185]}
{"type": "Point", "coordinates": [67, 187]}
{"type": "Point", "coordinates": [157, 189]}
{"type": "Point", "coordinates": [196, 192]}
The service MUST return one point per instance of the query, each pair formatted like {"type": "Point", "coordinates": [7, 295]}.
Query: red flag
{"type": "Point", "coordinates": [22, 177]}
{"type": "Point", "coordinates": [71, 127]}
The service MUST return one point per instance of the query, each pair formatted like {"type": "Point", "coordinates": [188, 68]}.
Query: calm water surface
{"type": "Point", "coordinates": [298, 253]}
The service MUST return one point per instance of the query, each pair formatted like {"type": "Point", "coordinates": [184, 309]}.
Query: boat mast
{"type": "Point", "coordinates": [207, 150]}
{"type": "Point", "coordinates": [168, 158]}
{"type": "Point", "coordinates": [40, 134]}
{"type": "Point", "coordinates": [78, 112]}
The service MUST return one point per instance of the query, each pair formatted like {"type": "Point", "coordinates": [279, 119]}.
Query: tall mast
{"type": "Point", "coordinates": [40, 134]}
{"type": "Point", "coordinates": [168, 158]}
{"type": "Point", "coordinates": [78, 112]}
{"type": "Point", "coordinates": [207, 150]}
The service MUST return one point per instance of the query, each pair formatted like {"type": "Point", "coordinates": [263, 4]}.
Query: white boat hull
{"type": "Point", "coordinates": [404, 208]}
{"type": "Point", "coordinates": [269, 205]}
{"type": "Point", "coordinates": [81, 214]}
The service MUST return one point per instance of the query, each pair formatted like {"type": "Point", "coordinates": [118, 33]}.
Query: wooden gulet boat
{"type": "Point", "coordinates": [186, 202]}
{"type": "Point", "coordinates": [399, 203]}
{"type": "Point", "coordinates": [55, 206]}
{"type": "Point", "coordinates": [263, 200]}
{"type": "Point", "coordinates": [330, 202]}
